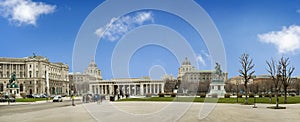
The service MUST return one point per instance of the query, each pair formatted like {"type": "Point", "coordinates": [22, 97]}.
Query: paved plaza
{"type": "Point", "coordinates": [157, 111]}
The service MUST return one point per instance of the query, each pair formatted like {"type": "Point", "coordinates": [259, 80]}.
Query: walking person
{"type": "Point", "coordinates": [73, 98]}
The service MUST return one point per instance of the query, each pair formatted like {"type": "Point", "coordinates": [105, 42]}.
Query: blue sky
{"type": "Point", "coordinates": [264, 29]}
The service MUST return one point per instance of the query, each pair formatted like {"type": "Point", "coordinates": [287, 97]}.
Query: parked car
{"type": "Point", "coordinates": [29, 96]}
{"type": "Point", "coordinates": [43, 96]}
{"type": "Point", "coordinates": [3, 99]}
{"type": "Point", "coordinates": [57, 98]}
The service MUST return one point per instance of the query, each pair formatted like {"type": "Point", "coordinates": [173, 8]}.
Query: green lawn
{"type": "Point", "coordinates": [30, 99]}
{"type": "Point", "coordinates": [291, 100]}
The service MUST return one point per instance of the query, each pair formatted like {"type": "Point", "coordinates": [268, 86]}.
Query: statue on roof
{"type": "Point", "coordinates": [34, 55]}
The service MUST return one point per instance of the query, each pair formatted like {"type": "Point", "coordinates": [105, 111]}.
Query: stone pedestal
{"type": "Point", "coordinates": [217, 87]}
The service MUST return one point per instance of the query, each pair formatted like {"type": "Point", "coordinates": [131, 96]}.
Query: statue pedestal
{"type": "Point", "coordinates": [217, 87]}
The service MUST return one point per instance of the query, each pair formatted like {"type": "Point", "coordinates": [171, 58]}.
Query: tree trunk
{"type": "Point", "coordinates": [285, 95]}
{"type": "Point", "coordinates": [277, 100]}
{"type": "Point", "coordinates": [246, 91]}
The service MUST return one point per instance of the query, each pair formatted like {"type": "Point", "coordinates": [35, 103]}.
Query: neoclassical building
{"type": "Point", "coordinates": [35, 75]}
{"type": "Point", "coordinates": [131, 86]}
{"type": "Point", "coordinates": [80, 81]}
{"type": "Point", "coordinates": [187, 72]}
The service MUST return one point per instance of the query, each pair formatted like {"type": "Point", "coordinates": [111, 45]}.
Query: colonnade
{"type": "Point", "coordinates": [127, 88]}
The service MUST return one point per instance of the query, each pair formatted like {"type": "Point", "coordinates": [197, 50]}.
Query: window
{"type": "Point", "coordinates": [21, 74]}
{"type": "Point", "coordinates": [30, 74]}
{"type": "Point", "coordinates": [21, 87]}
{"type": "Point", "coordinates": [219, 87]}
{"type": "Point", "coordinates": [1, 87]}
{"type": "Point", "coordinates": [7, 74]}
{"type": "Point", "coordinates": [37, 74]}
{"type": "Point", "coordinates": [1, 74]}
{"type": "Point", "coordinates": [30, 66]}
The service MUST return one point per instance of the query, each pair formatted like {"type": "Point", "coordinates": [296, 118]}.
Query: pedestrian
{"type": "Point", "coordinates": [73, 98]}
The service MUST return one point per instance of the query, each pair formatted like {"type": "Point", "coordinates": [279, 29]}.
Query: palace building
{"type": "Point", "coordinates": [187, 72]}
{"type": "Point", "coordinates": [34, 75]}
{"type": "Point", "coordinates": [116, 86]}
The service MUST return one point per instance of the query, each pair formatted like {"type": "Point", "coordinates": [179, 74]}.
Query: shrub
{"type": "Point", "coordinates": [215, 95]}
{"type": "Point", "coordinates": [161, 95]}
{"type": "Point", "coordinates": [202, 95]}
{"type": "Point", "coordinates": [251, 95]}
{"type": "Point", "coordinates": [127, 95]}
{"type": "Point", "coordinates": [173, 95]}
{"type": "Point", "coordinates": [273, 95]}
{"type": "Point", "coordinates": [267, 95]}
{"type": "Point", "coordinates": [23, 95]}
{"type": "Point", "coordinates": [227, 95]}
{"type": "Point", "coordinates": [260, 95]}
{"type": "Point", "coordinates": [240, 95]}
{"type": "Point", "coordinates": [148, 95]}
{"type": "Point", "coordinates": [279, 95]}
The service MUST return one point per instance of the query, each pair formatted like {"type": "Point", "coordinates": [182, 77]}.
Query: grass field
{"type": "Point", "coordinates": [30, 99]}
{"type": "Point", "coordinates": [291, 100]}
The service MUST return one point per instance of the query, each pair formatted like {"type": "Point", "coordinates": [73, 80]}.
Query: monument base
{"type": "Point", "coordinates": [217, 87]}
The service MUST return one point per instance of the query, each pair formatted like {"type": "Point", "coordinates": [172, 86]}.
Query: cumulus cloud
{"type": "Point", "coordinates": [119, 26]}
{"type": "Point", "coordinates": [200, 60]}
{"type": "Point", "coordinates": [24, 12]}
{"type": "Point", "coordinates": [286, 41]}
{"type": "Point", "coordinates": [203, 57]}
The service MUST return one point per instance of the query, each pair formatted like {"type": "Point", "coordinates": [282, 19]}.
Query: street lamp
{"type": "Point", "coordinates": [237, 96]}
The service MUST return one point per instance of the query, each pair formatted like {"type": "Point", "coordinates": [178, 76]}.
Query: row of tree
{"type": "Point", "coordinates": [280, 72]}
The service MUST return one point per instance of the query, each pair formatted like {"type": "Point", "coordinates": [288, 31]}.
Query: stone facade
{"type": "Point", "coordinates": [187, 72]}
{"type": "Point", "coordinates": [130, 86]}
{"type": "Point", "coordinates": [35, 75]}
{"type": "Point", "coordinates": [80, 81]}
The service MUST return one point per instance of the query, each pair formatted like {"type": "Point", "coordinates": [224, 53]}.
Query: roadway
{"type": "Point", "coordinates": [25, 108]}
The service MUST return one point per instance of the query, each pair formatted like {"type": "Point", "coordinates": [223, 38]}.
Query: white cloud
{"type": "Point", "coordinates": [287, 40]}
{"type": "Point", "coordinates": [201, 60]}
{"type": "Point", "coordinates": [298, 11]}
{"type": "Point", "coordinates": [119, 26]}
{"type": "Point", "coordinates": [22, 12]}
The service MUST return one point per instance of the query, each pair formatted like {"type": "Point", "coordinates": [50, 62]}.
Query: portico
{"type": "Point", "coordinates": [130, 86]}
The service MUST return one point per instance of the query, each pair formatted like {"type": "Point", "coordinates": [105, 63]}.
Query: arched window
{"type": "Point", "coordinates": [1, 87]}
{"type": "Point", "coordinates": [21, 87]}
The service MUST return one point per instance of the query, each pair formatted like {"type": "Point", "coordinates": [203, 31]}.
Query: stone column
{"type": "Point", "coordinates": [129, 89]}
{"type": "Point", "coordinates": [147, 88]}
{"type": "Point", "coordinates": [142, 89]}
{"type": "Point", "coordinates": [150, 88]}
{"type": "Point", "coordinates": [105, 89]}
{"type": "Point", "coordinates": [154, 89]}
{"type": "Point", "coordinates": [101, 86]}
{"type": "Point", "coordinates": [163, 88]}
{"type": "Point", "coordinates": [135, 89]}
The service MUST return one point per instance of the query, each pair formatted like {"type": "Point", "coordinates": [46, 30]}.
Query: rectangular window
{"type": "Point", "coordinates": [30, 74]}
{"type": "Point", "coordinates": [37, 74]}
{"type": "Point", "coordinates": [219, 87]}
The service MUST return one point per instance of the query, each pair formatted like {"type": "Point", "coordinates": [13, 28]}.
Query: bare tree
{"type": "Point", "coordinates": [276, 74]}
{"type": "Point", "coordinates": [286, 75]}
{"type": "Point", "coordinates": [246, 72]}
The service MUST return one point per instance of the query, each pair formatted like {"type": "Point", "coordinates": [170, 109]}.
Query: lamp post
{"type": "Point", "coordinates": [237, 96]}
